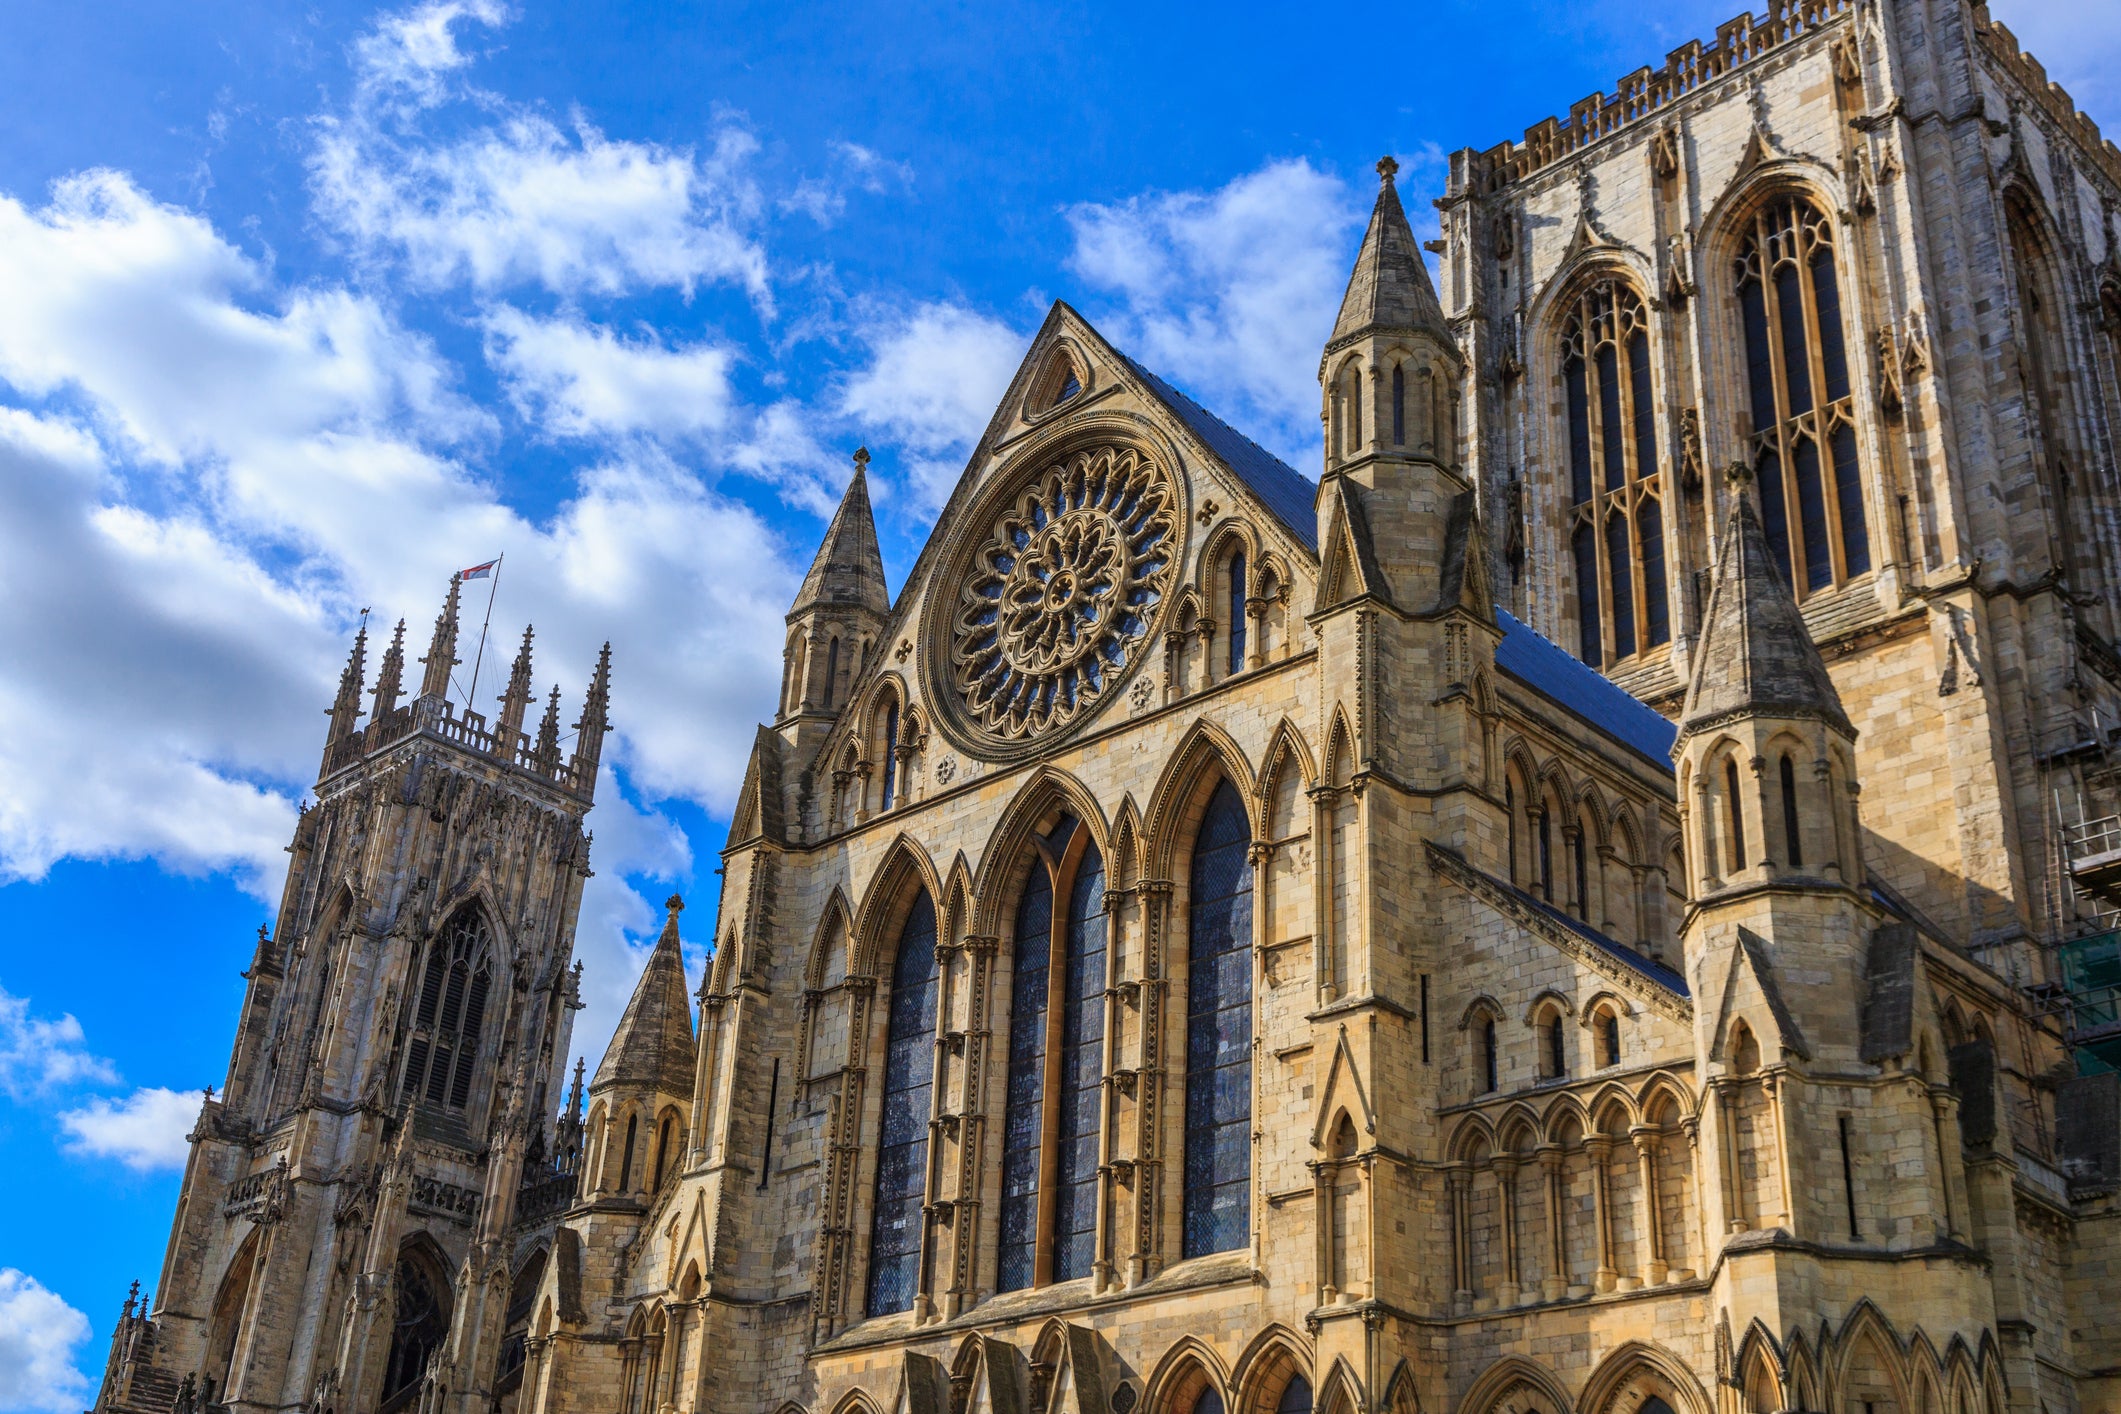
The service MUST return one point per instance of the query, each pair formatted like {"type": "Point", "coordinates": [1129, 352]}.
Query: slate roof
{"type": "Point", "coordinates": [1290, 494]}
{"type": "Point", "coordinates": [652, 1049]}
{"type": "Point", "coordinates": [1541, 663]}
{"type": "Point", "coordinates": [848, 569]}
{"type": "Point", "coordinates": [1664, 976]}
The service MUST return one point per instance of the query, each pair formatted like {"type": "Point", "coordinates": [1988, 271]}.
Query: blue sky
{"type": "Point", "coordinates": [302, 308]}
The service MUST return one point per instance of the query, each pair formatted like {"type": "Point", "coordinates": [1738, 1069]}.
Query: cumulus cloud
{"type": "Point", "coordinates": [933, 376]}
{"type": "Point", "coordinates": [144, 1131]}
{"type": "Point", "coordinates": [38, 1333]}
{"type": "Point", "coordinates": [523, 200]}
{"type": "Point", "coordinates": [579, 380]}
{"type": "Point", "coordinates": [39, 1055]}
{"type": "Point", "coordinates": [1231, 292]}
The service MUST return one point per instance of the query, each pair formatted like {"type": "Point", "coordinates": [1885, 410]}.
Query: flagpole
{"type": "Point", "coordinates": [471, 703]}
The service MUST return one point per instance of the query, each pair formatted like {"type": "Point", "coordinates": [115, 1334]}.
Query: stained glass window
{"type": "Point", "coordinates": [1295, 1397]}
{"type": "Point", "coordinates": [1082, 1071]}
{"type": "Point", "coordinates": [444, 1050]}
{"type": "Point", "coordinates": [1237, 613]}
{"type": "Point", "coordinates": [1218, 1157]}
{"type": "Point", "coordinates": [902, 1142]}
{"type": "Point", "coordinates": [1616, 532]}
{"type": "Point", "coordinates": [1023, 1111]}
{"type": "Point", "coordinates": [1804, 437]}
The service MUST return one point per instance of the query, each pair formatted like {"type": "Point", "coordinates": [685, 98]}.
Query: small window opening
{"type": "Point", "coordinates": [1557, 1057]}
{"type": "Point", "coordinates": [1399, 405]}
{"type": "Point", "coordinates": [1546, 857]}
{"type": "Point", "coordinates": [1488, 1066]}
{"type": "Point", "coordinates": [890, 755]}
{"type": "Point", "coordinates": [1734, 817]}
{"type": "Point", "coordinates": [1609, 1037]}
{"type": "Point", "coordinates": [1789, 813]}
{"type": "Point", "coordinates": [832, 671]}
{"type": "Point", "coordinates": [1237, 613]}
{"type": "Point", "coordinates": [626, 1154]}
{"type": "Point", "coordinates": [662, 1154]}
{"type": "Point", "coordinates": [1509, 810]}
{"type": "Point", "coordinates": [1583, 880]}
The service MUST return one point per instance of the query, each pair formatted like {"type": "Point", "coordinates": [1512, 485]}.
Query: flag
{"type": "Point", "coordinates": [478, 571]}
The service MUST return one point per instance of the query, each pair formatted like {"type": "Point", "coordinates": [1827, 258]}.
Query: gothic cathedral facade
{"type": "Point", "coordinates": [1571, 912]}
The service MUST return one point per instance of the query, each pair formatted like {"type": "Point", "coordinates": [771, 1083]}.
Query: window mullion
{"type": "Point", "coordinates": [1779, 373]}
{"type": "Point", "coordinates": [1829, 480]}
{"type": "Point", "coordinates": [1594, 404]}
{"type": "Point", "coordinates": [1050, 1079]}
{"type": "Point", "coordinates": [1625, 497]}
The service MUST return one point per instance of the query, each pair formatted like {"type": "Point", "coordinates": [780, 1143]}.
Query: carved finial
{"type": "Point", "coordinates": [675, 904]}
{"type": "Point", "coordinates": [861, 460]}
{"type": "Point", "coordinates": [1739, 475]}
{"type": "Point", "coordinates": [132, 1299]}
{"type": "Point", "coordinates": [1387, 169]}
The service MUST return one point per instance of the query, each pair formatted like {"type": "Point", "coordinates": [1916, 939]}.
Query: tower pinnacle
{"type": "Point", "coordinates": [515, 700]}
{"type": "Point", "coordinates": [442, 650]}
{"type": "Point", "coordinates": [1389, 287]}
{"type": "Point", "coordinates": [390, 678]}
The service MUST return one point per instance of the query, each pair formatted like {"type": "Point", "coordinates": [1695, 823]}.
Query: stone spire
{"type": "Point", "coordinates": [442, 650]}
{"type": "Point", "coordinates": [346, 708]}
{"type": "Point", "coordinates": [1389, 287]}
{"type": "Point", "coordinates": [652, 1049]}
{"type": "Point", "coordinates": [549, 732]}
{"type": "Point", "coordinates": [849, 569]}
{"type": "Point", "coordinates": [515, 701]}
{"type": "Point", "coordinates": [390, 680]}
{"type": "Point", "coordinates": [1755, 658]}
{"type": "Point", "coordinates": [589, 731]}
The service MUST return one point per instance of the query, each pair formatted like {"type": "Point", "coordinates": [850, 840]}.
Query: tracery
{"type": "Point", "coordinates": [1616, 529]}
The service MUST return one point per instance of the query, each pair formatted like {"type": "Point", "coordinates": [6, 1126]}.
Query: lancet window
{"type": "Point", "coordinates": [902, 1140]}
{"type": "Point", "coordinates": [1616, 526]}
{"type": "Point", "coordinates": [1056, 1048]}
{"type": "Point", "coordinates": [1804, 431]}
{"type": "Point", "coordinates": [451, 1011]}
{"type": "Point", "coordinates": [1237, 613]}
{"type": "Point", "coordinates": [1218, 1157]}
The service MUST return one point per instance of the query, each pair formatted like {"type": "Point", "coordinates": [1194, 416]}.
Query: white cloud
{"type": "Point", "coordinates": [144, 1131]}
{"type": "Point", "coordinates": [38, 1333]}
{"type": "Point", "coordinates": [579, 380]}
{"type": "Point", "coordinates": [38, 1055]}
{"type": "Point", "coordinates": [523, 200]}
{"type": "Point", "coordinates": [932, 380]}
{"type": "Point", "coordinates": [1230, 292]}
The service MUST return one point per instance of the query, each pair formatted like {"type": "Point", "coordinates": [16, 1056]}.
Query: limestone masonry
{"type": "Point", "coordinates": [1605, 901]}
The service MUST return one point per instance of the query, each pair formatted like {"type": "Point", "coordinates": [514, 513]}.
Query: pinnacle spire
{"type": "Point", "coordinates": [589, 731]}
{"type": "Point", "coordinates": [1389, 287]}
{"type": "Point", "coordinates": [1755, 657]}
{"type": "Point", "coordinates": [390, 679]}
{"type": "Point", "coordinates": [346, 708]}
{"type": "Point", "coordinates": [442, 651]}
{"type": "Point", "coordinates": [652, 1049]}
{"type": "Point", "coordinates": [849, 569]}
{"type": "Point", "coordinates": [515, 700]}
{"type": "Point", "coordinates": [548, 748]}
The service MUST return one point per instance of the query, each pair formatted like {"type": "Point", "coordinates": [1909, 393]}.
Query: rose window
{"type": "Point", "coordinates": [1061, 592]}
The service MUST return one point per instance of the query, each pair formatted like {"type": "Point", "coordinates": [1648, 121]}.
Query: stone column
{"type": "Point", "coordinates": [1460, 1180]}
{"type": "Point", "coordinates": [1730, 1181]}
{"type": "Point", "coordinates": [1655, 1264]}
{"type": "Point", "coordinates": [1944, 1111]}
{"type": "Point", "coordinates": [1322, 1205]}
{"type": "Point", "coordinates": [1600, 1148]}
{"type": "Point", "coordinates": [1776, 1084]}
{"type": "Point", "coordinates": [1556, 1284]}
{"type": "Point", "coordinates": [1506, 1184]}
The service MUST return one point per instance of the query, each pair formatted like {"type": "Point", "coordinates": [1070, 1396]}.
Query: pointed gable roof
{"type": "Point", "coordinates": [1755, 657]}
{"type": "Point", "coordinates": [1287, 492]}
{"type": "Point", "coordinates": [849, 569]}
{"type": "Point", "coordinates": [1389, 287]}
{"type": "Point", "coordinates": [652, 1049]}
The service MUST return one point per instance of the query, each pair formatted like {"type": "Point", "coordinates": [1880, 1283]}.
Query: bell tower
{"type": "Point", "coordinates": [398, 1064]}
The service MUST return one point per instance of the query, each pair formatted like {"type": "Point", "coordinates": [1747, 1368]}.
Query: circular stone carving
{"type": "Point", "coordinates": [1059, 594]}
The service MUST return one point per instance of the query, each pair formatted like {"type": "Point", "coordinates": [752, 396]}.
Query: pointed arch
{"type": "Point", "coordinates": [1339, 1390]}
{"type": "Point", "coordinates": [890, 892]}
{"type": "Point", "coordinates": [1761, 1367]}
{"type": "Point", "coordinates": [1046, 792]}
{"type": "Point", "coordinates": [1560, 1116]}
{"type": "Point", "coordinates": [1662, 1089]}
{"type": "Point", "coordinates": [1187, 1370]}
{"type": "Point", "coordinates": [856, 1401]}
{"type": "Point", "coordinates": [829, 956]}
{"type": "Point", "coordinates": [1471, 1135]}
{"type": "Point", "coordinates": [1538, 1387]}
{"type": "Point", "coordinates": [1123, 860]}
{"type": "Point", "coordinates": [1613, 1100]}
{"type": "Point", "coordinates": [1203, 753]}
{"type": "Point", "coordinates": [1341, 754]}
{"type": "Point", "coordinates": [1637, 1370]}
{"type": "Point", "coordinates": [1870, 1359]}
{"type": "Point", "coordinates": [1265, 1367]}
{"type": "Point", "coordinates": [1286, 753]}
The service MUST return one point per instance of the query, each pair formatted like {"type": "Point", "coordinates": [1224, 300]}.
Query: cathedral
{"type": "Point", "coordinates": [1603, 902]}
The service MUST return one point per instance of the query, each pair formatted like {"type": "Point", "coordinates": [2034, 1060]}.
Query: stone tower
{"type": "Point", "coordinates": [838, 616]}
{"type": "Point", "coordinates": [341, 1241]}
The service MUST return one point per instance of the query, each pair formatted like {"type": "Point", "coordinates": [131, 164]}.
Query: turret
{"type": "Point", "coordinates": [346, 707]}
{"type": "Point", "coordinates": [442, 649]}
{"type": "Point", "coordinates": [643, 1088]}
{"type": "Point", "coordinates": [589, 731]}
{"type": "Point", "coordinates": [515, 701]}
{"type": "Point", "coordinates": [548, 748]}
{"type": "Point", "coordinates": [838, 617]}
{"type": "Point", "coordinates": [390, 679]}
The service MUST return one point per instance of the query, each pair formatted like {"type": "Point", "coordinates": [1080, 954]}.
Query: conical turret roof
{"type": "Point", "coordinates": [1389, 287]}
{"type": "Point", "coordinates": [849, 569]}
{"type": "Point", "coordinates": [1755, 657]}
{"type": "Point", "coordinates": [652, 1049]}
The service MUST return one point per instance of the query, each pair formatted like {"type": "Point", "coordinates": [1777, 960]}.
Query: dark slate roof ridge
{"type": "Point", "coordinates": [1290, 494]}
{"type": "Point", "coordinates": [1533, 658]}
{"type": "Point", "coordinates": [1649, 967]}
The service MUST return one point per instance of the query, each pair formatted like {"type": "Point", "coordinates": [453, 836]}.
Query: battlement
{"type": "Point", "coordinates": [1644, 94]}
{"type": "Point", "coordinates": [2052, 97]}
{"type": "Point", "coordinates": [439, 720]}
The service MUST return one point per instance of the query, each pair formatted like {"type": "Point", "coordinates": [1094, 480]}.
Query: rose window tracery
{"type": "Point", "coordinates": [1060, 592]}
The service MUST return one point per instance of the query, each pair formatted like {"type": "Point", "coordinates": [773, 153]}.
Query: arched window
{"type": "Point", "coordinates": [890, 754]}
{"type": "Point", "coordinates": [1023, 1118]}
{"type": "Point", "coordinates": [420, 1325]}
{"type": "Point", "coordinates": [1616, 531]}
{"type": "Point", "coordinates": [1804, 433]}
{"type": "Point", "coordinates": [1237, 613]}
{"type": "Point", "coordinates": [1582, 881]}
{"type": "Point", "coordinates": [1607, 1023]}
{"type": "Point", "coordinates": [1218, 1158]}
{"type": "Point", "coordinates": [1209, 1402]}
{"type": "Point", "coordinates": [1073, 1036]}
{"type": "Point", "coordinates": [1399, 405]}
{"type": "Point", "coordinates": [1791, 842]}
{"type": "Point", "coordinates": [444, 1051]}
{"type": "Point", "coordinates": [1546, 853]}
{"type": "Point", "coordinates": [1554, 1057]}
{"type": "Point", "coordinates": [1489, 1063]}
{"type": "Point", "coordinates": [1295, 1397]}
{"type": "Point", "coordinates": [633, 1127]}
{"type": "Point", "coordinates": [662, 1153]}
{"type": "Point", "coordinates": [1734, 818]}
{"type": "Point", "coordinates": [832, 672]}
{"type": "Point", "coordinates": [902, 1139]}
{"type": "Point", "coordinates": [1509, 810]}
